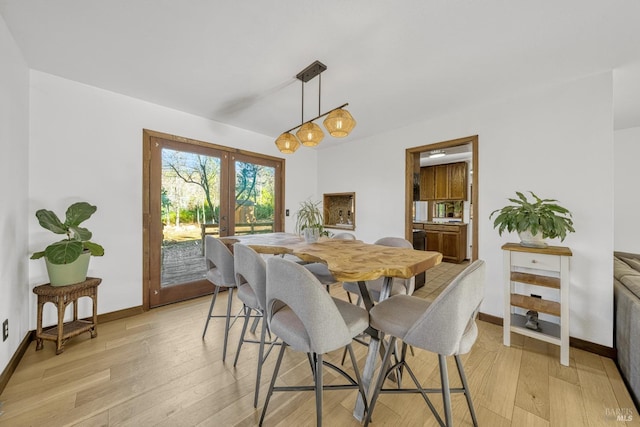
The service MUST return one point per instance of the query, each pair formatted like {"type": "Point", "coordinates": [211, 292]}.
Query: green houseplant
{"type": "Point", "coordinates": [309, 222]}
{"type": "Point", "coordinates": [534, 220]}
{"type": "Point", "coordinates": [67, 260]}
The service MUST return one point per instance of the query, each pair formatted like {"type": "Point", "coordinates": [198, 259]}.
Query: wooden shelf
{"type": "Point", "coordinates": [546, 267]}
{"type": "Point", "coordinates": [534, 279]}
{"type": "Point", "coordinates": [537, 304]}
{"type": "Point", "coordinates": [549, 332]}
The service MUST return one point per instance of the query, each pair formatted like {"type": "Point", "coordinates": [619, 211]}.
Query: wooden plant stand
{"type": "Point", "coordinates": [61, 296]}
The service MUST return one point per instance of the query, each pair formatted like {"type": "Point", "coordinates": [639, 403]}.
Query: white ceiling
{"type": "Point", "coordinates": [395, 62]}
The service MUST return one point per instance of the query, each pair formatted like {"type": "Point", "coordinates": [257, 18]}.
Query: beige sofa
{"type": "Point", "coordinates": [626, 289]}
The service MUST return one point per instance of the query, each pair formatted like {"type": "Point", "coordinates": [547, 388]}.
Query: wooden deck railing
{"type": "Point", "coordinates": [240, 228]}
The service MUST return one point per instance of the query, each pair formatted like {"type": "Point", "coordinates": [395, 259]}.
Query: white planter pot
{"type": "Point", "coordinates": [530, 240]}
{"type": "Point", "coordinates": [311, 235]}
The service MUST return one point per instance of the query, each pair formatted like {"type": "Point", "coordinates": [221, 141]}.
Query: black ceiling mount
{"type": "Point", "coordinates": [311, 71]}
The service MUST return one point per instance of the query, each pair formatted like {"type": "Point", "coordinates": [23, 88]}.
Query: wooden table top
{"type": "Point", "coordinates": [347, 260]}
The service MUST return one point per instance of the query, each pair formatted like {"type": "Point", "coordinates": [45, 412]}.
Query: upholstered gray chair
{"type": "Point", "coordinates": [220, 272]}
{"type": "Point", "coordinates": [251, 279]}
{"type": "Point", "coordinates": [446, 326]}
{"type": "Point", "coordinates": [321, 271]}
{"type": "Point", "coordinates": [398, 287]}
{"type": "Point", "coordinates": [308, 319]}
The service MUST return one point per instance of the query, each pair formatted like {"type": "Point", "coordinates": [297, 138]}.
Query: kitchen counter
{"type": "Point", "coordinates": [448, 238]}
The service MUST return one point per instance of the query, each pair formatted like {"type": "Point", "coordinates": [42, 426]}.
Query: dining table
{"type": "Point", "coordinates": [348, 261]}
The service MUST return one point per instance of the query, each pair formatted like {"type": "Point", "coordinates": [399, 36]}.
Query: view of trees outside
{"type": "Point", "coordinates": [190, 197]}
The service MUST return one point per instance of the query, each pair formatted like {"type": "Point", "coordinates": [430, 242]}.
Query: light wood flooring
{"type": "Point", "coordinates": [154, 369]}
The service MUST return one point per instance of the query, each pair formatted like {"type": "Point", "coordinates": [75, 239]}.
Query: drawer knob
{"type": "Point", "coordinates": [533, 261]}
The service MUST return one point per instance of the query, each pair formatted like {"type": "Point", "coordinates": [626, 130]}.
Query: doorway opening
{"type": "Point", "coordinates": [442, 153]}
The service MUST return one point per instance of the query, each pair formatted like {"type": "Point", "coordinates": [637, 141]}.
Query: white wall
{"type": "Point", "coordinates": [556, 141]}
{"type": "Point", "coordinates": [626, 200]}
{"type": "Point", "coordinates": [14, 140]}
{"type": "Point", "coordinates": [86, 144]}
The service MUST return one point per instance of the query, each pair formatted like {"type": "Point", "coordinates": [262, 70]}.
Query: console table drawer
{"type": "Point", "coordinates": [537, 261]}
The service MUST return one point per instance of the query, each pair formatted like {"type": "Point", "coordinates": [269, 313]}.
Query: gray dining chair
{"type": "Point", "coordinates": [446, 326]}
{"type": "Point", "coordinates": [307, 319]}
{"type": "Point", "coordinates": [220, 272]}
{"type": "Point", "coordinates": [251, 279]}
{"type": "Point", "coordinates": [399, 286]}
{"type": "Point", "coordinates": [321, 271]}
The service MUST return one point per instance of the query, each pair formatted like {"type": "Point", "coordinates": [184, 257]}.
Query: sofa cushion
{"type": "Point", "coordinates": [632, 283]}
{"type": "Point", "coordinates": [622, 269]}
{"type": "Point", "coordinates": [632, 262]}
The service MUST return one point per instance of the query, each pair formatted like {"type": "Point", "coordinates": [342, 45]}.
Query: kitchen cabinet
{"type": "Point", "coordinates": [537, 269]}
{"type": "Point", "coordinates": [427, 183]}
{"type": "Point", "coordinates": [448, 239]}
{"type": "Point", "coordinates": [444, 182]}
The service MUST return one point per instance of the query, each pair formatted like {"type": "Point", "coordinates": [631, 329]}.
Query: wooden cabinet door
{"type": "Point", "coordinates": [433, 241]}
{"type": "Point", "coordinates": [458, 181]}
{"type": "Point", "coordinates": [427, 183]}
{"type": "Point", "coordinates": [442, 182]}
{"type": "Point", "coordinates": [450, 246]}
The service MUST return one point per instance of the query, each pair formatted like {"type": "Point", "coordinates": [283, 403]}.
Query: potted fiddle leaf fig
{"type": "Point", "coordinates": [67, 260]}
{"type": "Point", "coordinates": [309, 221]}
{"type": "Point", "coordinates": [534, 220]}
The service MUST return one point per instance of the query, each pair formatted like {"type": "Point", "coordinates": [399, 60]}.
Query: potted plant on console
{"type": "Point", "coordinates": [309, 221]}
{"type": "Point", "coordinates": [67, 260]}
{"type": "Point", "coordinates": [534, 220]}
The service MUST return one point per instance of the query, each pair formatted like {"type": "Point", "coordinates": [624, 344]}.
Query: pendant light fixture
{"type": "Point", "coordinates": [339, 122]}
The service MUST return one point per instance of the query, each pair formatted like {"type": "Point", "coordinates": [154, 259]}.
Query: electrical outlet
{"type": "Point", "coordinates": [286, 212]}
{"type": "Point", "coordinates": [5, 330]}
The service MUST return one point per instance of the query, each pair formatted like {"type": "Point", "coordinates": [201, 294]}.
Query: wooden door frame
{"type": "Point", "coordinates": [147, 136]}
{"type": "Point", "coordinates": [412, 156]}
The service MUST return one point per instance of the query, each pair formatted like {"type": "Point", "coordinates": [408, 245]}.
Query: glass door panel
{"type": "Point", "coordinates": [186, 201]}
{"type": "Point", "coordinates": [254, 198]}
{"type": "Point", "coordinates": [190, 207]}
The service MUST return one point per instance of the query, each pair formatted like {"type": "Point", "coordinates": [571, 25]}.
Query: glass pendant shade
{"type": "Point", "coordinates": [310, 134]}
{"type": "Point", "coordinates": [339, 123]}
{"type": "Point", "coordinates": [287, 143]}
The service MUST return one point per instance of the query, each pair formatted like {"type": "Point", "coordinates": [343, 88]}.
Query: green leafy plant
{"type": "Point", "coordinates": [539, 215]}
{"type": "Point", "coordinates": [309, 215]}
{"type": "Point", "coordinates": [78, 238]}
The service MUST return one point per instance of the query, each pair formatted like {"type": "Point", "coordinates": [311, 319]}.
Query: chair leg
{"type": "Point", "coordinates": [273, 382]}
{"type": "Point", "coordinates": [446, 394]}
{"type": "Point", "coordinates": [318, 376]}
{"type": "Point", "coordinates": [213, 302]}
{"type": "Point", "coordinates": [381, 378]}
{"type": "Point", "coordinates": [247, 314]}
{"type": "Point", "coordinates": [358, 378]}
{"type": "Point", "coordinates": [226, 326]}
{"type": "Point", "coordinates": [254, 325]}
{"type": "Point", "coordinates": [260, 362]}
{"type": "Point", "coordinates": [467, 392]}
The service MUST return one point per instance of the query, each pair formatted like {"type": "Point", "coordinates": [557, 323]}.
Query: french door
{"type": "Point", "coordinates": [194, 189]}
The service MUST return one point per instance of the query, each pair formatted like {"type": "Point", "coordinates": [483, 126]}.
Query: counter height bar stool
{"type": "Point", "coordinates": [398, 286]}
{"type": "Point", "coordinates": [447, 326]}
{"type": "Point", "coordinates": [251, 278]}
{"type": "Point", "coordinates": [220, 272]}
{"type": "Point", "coordinates": [308, 319]}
